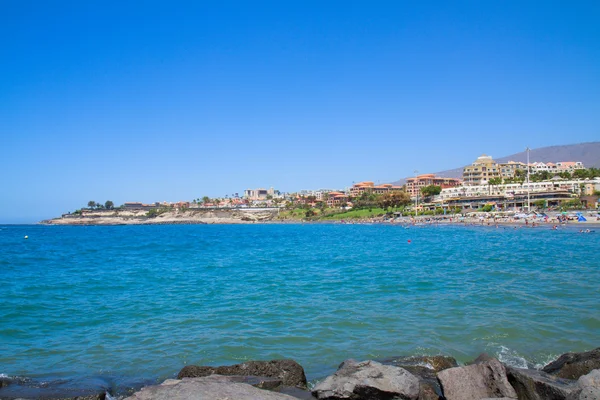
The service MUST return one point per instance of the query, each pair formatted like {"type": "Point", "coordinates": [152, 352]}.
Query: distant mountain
{"type": "Point", "coordinates": [588, 153]}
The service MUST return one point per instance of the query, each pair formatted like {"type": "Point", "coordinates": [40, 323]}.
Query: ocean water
{"type": "Point", "coordinates": [132, 304]}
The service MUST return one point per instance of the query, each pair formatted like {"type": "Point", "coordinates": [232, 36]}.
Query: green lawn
{"type": "Point", "coordinates": [355, 214]}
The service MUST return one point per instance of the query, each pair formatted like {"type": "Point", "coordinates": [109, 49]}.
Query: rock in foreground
{"type": "Point", "coordinates": [532, 384]}
{"type": "Point", "coordinates": [368, 380]}
{"type": "Point", "coordinates": [477, 381]}
{"type": "Point", "coordinates": [424, 368]}
{"type": "Point", "coordinates": [574, 365]}
{"type": "Point", "coordinates": [215, 387]}
{"type": "Point", "coordinates": [289, 371]}
{"type": "Point", "coordinates": [590, 386]}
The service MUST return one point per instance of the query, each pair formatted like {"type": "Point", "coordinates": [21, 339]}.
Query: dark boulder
{"type": "Point", "coordinates": [288, 371]}
{"type": "Point", "coordinates": [574, 365]}
{"type": "Point", "coordinates": [368, 380]}
{"type": "Point", "coordinates": [531, 384]}
{"type": "Point", "coordinates": [475, 382]}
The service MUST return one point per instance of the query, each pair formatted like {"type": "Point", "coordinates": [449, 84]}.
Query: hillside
{"type": "Point", "coordinates": [588, 153]}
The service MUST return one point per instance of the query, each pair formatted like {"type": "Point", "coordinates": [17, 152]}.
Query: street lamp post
{"type": "Point", "coordinates": [416, 193]}
{"type": "Point", "coordinates": [528, 189]}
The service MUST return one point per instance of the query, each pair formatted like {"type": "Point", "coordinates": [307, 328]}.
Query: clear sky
{"type": "Point", "coordinates": [157, 100]}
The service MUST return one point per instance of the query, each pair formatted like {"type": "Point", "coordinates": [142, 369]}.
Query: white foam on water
{"type": "Point", "coordinates": [109, 397]}
{"type": "Point", "coordinates": [512, 358]}
{"type": "Point", "coordinates": [424, 364]}
{"type": "Point", "coordinates": [546, 361]}
{"type": "Point", "coordinates": [4, 376]}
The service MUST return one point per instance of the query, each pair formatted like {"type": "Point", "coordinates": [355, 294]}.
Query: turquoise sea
{"type": "Point", "coordinates": [131, 304]}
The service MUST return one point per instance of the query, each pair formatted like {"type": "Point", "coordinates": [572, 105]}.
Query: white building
{"type": "Point", "coordinates": [261, 194]}
{"type": "Point", "coordinates": [573, 186]}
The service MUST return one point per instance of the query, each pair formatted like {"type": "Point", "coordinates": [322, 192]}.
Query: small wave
{"type": "Point", "coordinates": [545, 361]}
{"type": "Point", "coordinates": [512, 358]}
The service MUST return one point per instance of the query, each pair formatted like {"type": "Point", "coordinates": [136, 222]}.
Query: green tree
{"type": "Point", "coordinates": [206, 200]}
{"type": "Point", "coordinates": [494, 182]}
{"type": "Point", "coordinates": [565, 175]}
{"type": "Point", "coordinates": [520, 176]}
{"type": "Point", "coordinates": [541, 204]}
{"type": "Point", "coordinates": [431, 190]}
{"type": "Point", "coordinates": [109, 205]}
{"type": "Point", "coordinates": [393, 200]}
{"type": "Point", "coordinates": [581, 174]}
{"type": "Point", "coordinates": [91, 204]}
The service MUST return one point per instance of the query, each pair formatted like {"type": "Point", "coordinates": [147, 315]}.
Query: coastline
{"type": "Point", "coordinates": [286, 379]}
{"type": "Point", "coordinates": [252, 216]}
{"type": "Point", "coordinates": [175, 217]}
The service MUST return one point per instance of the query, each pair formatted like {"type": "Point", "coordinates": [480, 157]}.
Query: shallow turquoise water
{"type": "Point", "coordinates": [141, 302]}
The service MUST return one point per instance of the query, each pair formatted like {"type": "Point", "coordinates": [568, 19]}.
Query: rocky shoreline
{"type": "Point", "coordinates": [174, 217]}
{"type": "Point", "coordinates": [573, 376]}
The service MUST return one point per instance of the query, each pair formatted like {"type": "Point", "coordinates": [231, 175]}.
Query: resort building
{"type": "Point", "coordinates": [260, 194]}
{"type": "Point", "coordinates": [569, 166]}
{"type": "Point", "coordinates": [318, 194]}
{"type": "Point", "coordinates": [571, 186]}
{"type": "Point", "coordinates": [337, 199]}
{"type": "Point", "coordinates": [509, 169]}
{"type": "Point", "coordinates": [369, 187]}
{"type": "Point", "coordinates": [135, 205]}
{"type": "Point", "coordinates": [481, 171]}
{"type": "Point", "coordinates": [414, 185]}
{"type": "Point", "coordinates": [485, 168]}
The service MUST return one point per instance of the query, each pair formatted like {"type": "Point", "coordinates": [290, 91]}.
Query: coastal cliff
{"type": "Point", "coordinates": [187, 216]}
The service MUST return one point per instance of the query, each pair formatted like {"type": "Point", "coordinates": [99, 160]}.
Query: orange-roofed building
{"type": "Point", "coordinates": [415, 184]}
{"type": "Point", "coordinates": [336, 199]}
{"type": "Point", "coordinates": [369, 187]}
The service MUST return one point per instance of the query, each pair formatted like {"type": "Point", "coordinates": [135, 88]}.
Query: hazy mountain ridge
{"type": "Point", "coordinates": [588, 153]}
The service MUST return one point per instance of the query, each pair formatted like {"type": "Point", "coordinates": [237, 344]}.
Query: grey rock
{"type": "Point", "coordinates": [424, 368]}
{"type": "Point", "coordinates": [432, 363]}
{"type": "Point", "coordinates": [574, 365]}
{"type": "Point", "coordinates": [483, 357]}
{"type": "Point", "coordinates": [214, 387]}
{"type": "Point", "coordinates": [368, 380]}
{"type": "Point", "coordinates": [289, 371]}
{"type": "Point", "coordinates": [296, 393]}
{"type": "Point", "coordinates": [477, 381]}
{"type": "Point", "coordinates": [590, 386]}
{"type": "Point", "coordinates": [531, 384]}
{"type": "Point", "coordinates": [428, 391]}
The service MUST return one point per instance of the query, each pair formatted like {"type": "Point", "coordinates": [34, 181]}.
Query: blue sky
{"type": "Point", "coordinates": [153, 101]}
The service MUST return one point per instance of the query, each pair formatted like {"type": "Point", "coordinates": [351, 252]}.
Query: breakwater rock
{"type": "Point", "coordinates": [288, 371]}
{"type": "Point", "coordinates": [409, 378]}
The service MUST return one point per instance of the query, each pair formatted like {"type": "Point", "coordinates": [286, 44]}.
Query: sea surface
{"type": "Point", "coordinates": [134, 304]}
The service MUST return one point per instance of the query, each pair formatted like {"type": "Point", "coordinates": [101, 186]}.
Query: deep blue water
{"type": "Point", "coordinates": [140, 302]}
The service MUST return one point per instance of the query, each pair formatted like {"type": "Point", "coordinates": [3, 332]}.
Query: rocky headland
{"type": "Point", "coordinates": [573, 376]}
{"type": "Point", "coordinates": [164, 217]}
